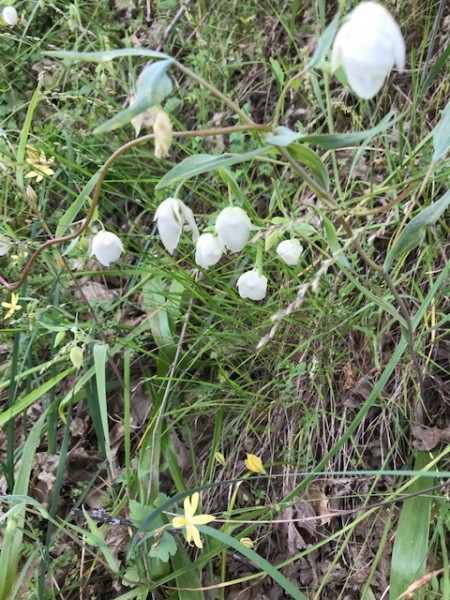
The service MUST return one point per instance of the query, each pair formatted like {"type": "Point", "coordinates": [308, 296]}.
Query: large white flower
{"type": "Point", "coordinates": [208, 250]}
{"type": "Point", "coordinates": [289, 251]}
{"type": "Point", "coordinates": [171, 216]}
{"type": "Point", "coordinates": [233, 228]}
{"type": "Point", "coordinates": [107, 247]}
{"type": "Point", "coordinates": [10, 15]}
{"type": "Point", "coordinates": [252, 285]}
{"type": "Point", "coordinates": [367, 47]}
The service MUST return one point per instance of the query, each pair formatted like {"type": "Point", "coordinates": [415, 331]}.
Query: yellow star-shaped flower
{"type": "Point", "coordinates": [40, 164]}
{"type": "Point", "coordinates": [254, 464]}
{"type": "Point", "coordinates": [190, 521]}
{"type": "Point", "coordinates": [12, 306]}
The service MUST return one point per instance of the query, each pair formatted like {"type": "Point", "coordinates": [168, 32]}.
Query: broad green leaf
{"type": "Point", "coordinates": [333, 242]}
{"type": "Point", "coordinates": [277, 70]}
{"type": "Point", "coordinates": [409, 556]}
{"type": "Point", "coordinates": [106, 55]}
{"type": "Point", "coordinates": [188, 577]}
{"type": "Point", "coordinates": [205, 163]}
{"type": "Point", "coordinates": [100, 359]}
{"type": "Point", "coordinates": [164, 547]}
{"type": "Point", "coordinates": [331, 141]}
{"type": "Point", "coordinates": [69, 216]}
{"type": "Point", "coordinates": [441, 135]}
{"type": "Point", "coordinates": [325, 41]}
{"type": "Point", "coordinates": [311, 159]}
{"type": "Point", "coordinates": [414, 233]}
{"type": "Point", "coordinates": [153, 86]}
{"type": "Point", "coordinates": [153, 83]}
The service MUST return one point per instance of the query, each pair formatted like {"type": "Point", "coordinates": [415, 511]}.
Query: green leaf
{"type": "Point", "coordinates": [205, 163]}
{"type": "Point", "coordinates": [100, 359]}
{"type": "Point", "coordinates": [414, 233]}
{"type": "Point", "coordinates": [158, 307]}
{"type": "Point", "coordinates": [440, 62]}
{"type": "Point", "coordinates": [325, 41]}
{"type": "Point", "coordinates": [311, 159]}
{"type": "Point", "coordinates": [409, 556]}
{"type": "Point", "coordinates": [95, 538]}
{"type": "Point", "coordinates": [69, 216]}
{"type": "Point", "coordinates": [153, 83]}
{"type": "Point", "coordinates": [333, 242]}
{"type": "Point", "coordinates": [256, 559]}
{"type": "Point", "coordinates": [332, 141]}
{"type": "Point", "coordinates": [233, 187]}
{"type": "Point", "coordinates": [107, 55]}
{"type": "Point", "coordinates": [441, 135]}
{"type": "Point", "coordinates": [163, 547]}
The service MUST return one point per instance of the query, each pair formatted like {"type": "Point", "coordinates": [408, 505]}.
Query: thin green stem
{"type": "Point", "coordinates": [234, 107]}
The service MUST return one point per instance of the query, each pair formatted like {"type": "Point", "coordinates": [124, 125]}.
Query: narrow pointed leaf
{"type": "Point", "coordinates": [441, 135]}
{"type": "Point", "coordinates": [107, 55]}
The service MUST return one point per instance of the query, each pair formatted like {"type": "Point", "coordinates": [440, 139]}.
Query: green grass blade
{"type": "Point", "coordinates": [12, 541]}
{"type": "Point", "coordinates": [256, 559]}
{"type": "Point", "coordinates": [100, 360]}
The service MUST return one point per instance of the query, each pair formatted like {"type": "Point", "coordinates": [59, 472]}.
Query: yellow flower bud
{"type": "Point", "coordinates": [59, 338]}
{"type": "Point", "coordinates": [220, 459]}
{"type": "Point", "coordinates": [254, 464]}
{"type": "Point", "coordinates": [163, 134]}
{"type": "Point", "coordinates": [247, 542]}
{"type": "Point", "coordinates": [76, 356]}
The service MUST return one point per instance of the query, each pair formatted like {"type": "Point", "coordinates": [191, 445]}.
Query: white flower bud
{"type": "Point", "coordinates": [4, 245]}
{"type": "Point", "coordinates": [233, 228]}
{"type": "Point", "coordinates": [171, 216]}
{"type": "Point", "coordinates": [163, 134]}
{"type": "Point", "coordinates": [252, 285]}
{"type": "Point", "coordinates": [289, 251]}
{"type": "Point", "coordinates": [107, 247]}
{"type": "Point", "coordinates": [367, 47]}
{"type": "Point", "coordinates": [208, 250]}
{"type": "Point", "coordinates": [10, 15]}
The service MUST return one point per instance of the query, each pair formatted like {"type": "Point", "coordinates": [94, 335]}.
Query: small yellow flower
{"type": "Point", "coordinates": [254, 464]}
{"type": "Point", "coordinates": [247, 542]}
{"type": "Point", "coordinates": [12, 306]}
{"type": "Point", "coordinates": [40, 164]}
{"type": "Point", "coordinates": [189, 521]}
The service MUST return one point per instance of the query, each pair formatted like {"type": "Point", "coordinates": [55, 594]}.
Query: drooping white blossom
{"type": "Point", "coordinates": [106, 247]}
{"type": "Point", "coordinates": [289, 251]}
{"type": "Point", "coordinates": [172, 216]}
{"type": "Point", "coordinates": [367, 47]}
{"type": "Point", "coordinates": [5, 244]}
{"type": "Point", "coordinates": [252, 285]}
{"type": "Point", "coordinates": [208, 250]}
{"type": "Point", "coordinates": [10, 16]}
{"type": "Point", "coordinates": [233, 227]}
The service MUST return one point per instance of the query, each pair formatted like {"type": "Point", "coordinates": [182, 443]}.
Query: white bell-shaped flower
{"type": "Point", "coordinates": [107, 247]}
{"type": "Point", "coordinates": [10, 15]}
{"type": "Point", "coordinates": [252, 285]}
{"type": "Point", "coordinates": [5, 245]}
{"type": "Point", "coordinates": [208, 250]}
{"type": "Point", "coordinates": [172, 216]}
{"type": "Point", "coordinates": [367, 47]}
{"type": "Point", "coordinates": [233, 228]}
{"type": "Point", "coordinates": [289, 251]}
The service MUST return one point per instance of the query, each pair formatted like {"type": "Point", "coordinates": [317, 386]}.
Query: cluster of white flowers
{"type": "Point", "coordinates": [231, 232]}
